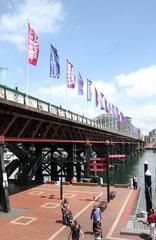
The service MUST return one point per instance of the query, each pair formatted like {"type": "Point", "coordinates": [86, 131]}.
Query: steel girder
{"type": "Point", "coordinates": [18, 125]}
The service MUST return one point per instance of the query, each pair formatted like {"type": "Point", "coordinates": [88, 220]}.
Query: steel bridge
{"type": "Point", "coordinates": [49, 141]}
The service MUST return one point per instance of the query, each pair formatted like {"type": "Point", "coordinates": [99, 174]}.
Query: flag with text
{"type": "Point", "coordinates": [102, 100]}
{"type": "Point", "coordinates": [70, 75]}
{"type": "Point", "coordinates": [54, 63]}
{"type": "Point", "coordinates": [33, 46]}
{"type": "Point", "coordinates": [80, 85]}
{"type": "Point", "coordinates": [89, 91]}
{"type": "Point", "coordinates": [96, 98]}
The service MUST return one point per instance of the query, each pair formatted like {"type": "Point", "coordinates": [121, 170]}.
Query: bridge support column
{"type": "Point", "coordinates": [39, 174]}
{"type": "Point", "coordinates": [79, 149]}
{"type": "Point", "coordinates": [87, 157]}
{"type": "Point", "coordinates": [69, 164]}
{"type": "Point", "coordinates": [4, 195]}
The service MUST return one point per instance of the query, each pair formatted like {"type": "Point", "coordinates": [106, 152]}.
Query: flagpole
{"type": "Point", "coordinates": [87, 108]}
{"type": "Point", "coordinates": [78, 92]}
{"type": "Point", "coordinates": [95, 109]}
{"type": "Point", "coordinates": [27, 80]}
{"type": "Point", "coordinates": [50, 95]}
{"type": "Point", "coordinates": [50, 89]}
{"type": "Point", "coordinates": [100, 118]}
{"type": "Point", "coordinates": [66, 84]}
{"type": "Point", "coordinates": [78, 103]}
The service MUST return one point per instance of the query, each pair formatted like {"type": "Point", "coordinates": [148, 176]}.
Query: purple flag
{"type": "Point", "coordinates": [54, 63]}
{"type": "Point", "coordinates": [96, 98]}
{"type": "Point", "coordinates": [102, 101]}
{"type": "Point", "coordinates": [80, 85]}
{"type": "Point", "coordinates": [113, 111]}
{"type": "Point", "coordinates": [109, 107]}
{"type": "Point", "coordinates": [117, 113]}
{"type": "Point", "coordinates": [70, 75]}
{"type": "Point", "coordinates": [106, 106]}
{"type": "Point", "coordinates": [89, 92]}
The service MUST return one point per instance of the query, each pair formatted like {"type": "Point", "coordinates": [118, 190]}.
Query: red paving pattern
{"type": "Point", "coordinates": [47, 225]}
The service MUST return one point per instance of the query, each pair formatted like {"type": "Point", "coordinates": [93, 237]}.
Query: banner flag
{"type": "Point", "coordinates": [113, 111]}
{"type": "Point", "coordinates": [70, 75]}
{"type": "Point", "coordinates": [80, 85]}
{"type": "Point", "coordinates": [54, 63]}
{"type": "Point", "coordinates": [106, 106]}
{"type": "Point", "coordinates": [96, 98]}
{"type": "Point", "coordinates": [109, 105]}
{"type": "Point", "coordinates": [102, 100]}
{"type": "Point", "coordinates": [117, 113]}
{"type": "Point", "coordinates": [33, 46]}
{"type": "Point", "coordinates": [89, 92]}
{"type": "Point", "coordinates": [122, 118]}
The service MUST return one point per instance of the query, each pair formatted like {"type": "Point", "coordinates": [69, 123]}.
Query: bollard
{"type": "Point", "coordinates": [148, 190]}
{"type": "Point", "coordinates": [145, 166]}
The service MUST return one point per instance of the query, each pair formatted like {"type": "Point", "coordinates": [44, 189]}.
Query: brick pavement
{"type": "Point", "coordinates": [36, 213]}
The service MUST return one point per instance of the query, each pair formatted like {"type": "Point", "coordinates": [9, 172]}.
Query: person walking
{"type": "Point", "coordinates": [96, 217]}
{"type": "Point", "coordinates": [64, 209]}
{"type": "Point", "coordinates": [98, 232]}
{"type": "Point", "coordinates": [76, 231]}
{"type": "Point", "coordinates": [151, 219]}
{"type": "Point", "coordinates": [135, 183]}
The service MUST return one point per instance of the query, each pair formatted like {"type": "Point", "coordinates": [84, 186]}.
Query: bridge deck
{"type": "Point", "coordinates": [25, 118]}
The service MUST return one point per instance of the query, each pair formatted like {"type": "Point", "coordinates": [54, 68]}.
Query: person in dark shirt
{"type": "Point", "coordinates": [98, 232]}
{"type": "Point", "coordinates": [64, 209]}
{"type": "Point", "coordinates": [135, 183]}
{"type": "Point", "coordinates": [76, 231]}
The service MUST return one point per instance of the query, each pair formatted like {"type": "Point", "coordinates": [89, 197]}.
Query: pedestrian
{"type": "Point", "coordinates": [135, 183]}
{"type": "Point", "coordinates": [96, 216]}
{"type": "Point", "coordinates": [76, 231]}
{"type": "Point", "coordinates": [74, 179]}
{"type": "Point", "coordinates": [64, 208]}
{"type": "Point", "coordinates": [98, 232]}
{"type": "Point", "coordinates": [152, 223]}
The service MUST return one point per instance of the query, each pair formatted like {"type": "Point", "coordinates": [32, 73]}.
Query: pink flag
{"type": "Point", "coordinates": [33, 46]}
{"type": "Point", "coordinates": [70, 75]}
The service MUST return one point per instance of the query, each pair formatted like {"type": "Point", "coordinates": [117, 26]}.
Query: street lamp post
{"type": "Point", "coordinates": [107, 160]}
{"type": "Point", "coordinates": [61, 155]}
{"type": "Point", "coordinates": [108, 186]}
{"type": "Point", "coordinates": [61, 186]}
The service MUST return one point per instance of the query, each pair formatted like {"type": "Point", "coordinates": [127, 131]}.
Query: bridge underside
{"type": "Point", "coordinates": [34, 136]}
{"type": "Point", "coordinates": [38, 141]}
{"type": "Point", "coordinates": [24, 125]}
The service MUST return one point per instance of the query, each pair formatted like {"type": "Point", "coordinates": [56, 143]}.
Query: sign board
{"type": "Point", "coordinates": [117, 156]}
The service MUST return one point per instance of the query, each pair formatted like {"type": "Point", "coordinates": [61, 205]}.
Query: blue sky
{"type": "Point", "coordinates": [111, 42]}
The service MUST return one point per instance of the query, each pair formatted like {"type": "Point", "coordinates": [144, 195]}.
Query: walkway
{"type": "Point", "coordinates": [35, 213]}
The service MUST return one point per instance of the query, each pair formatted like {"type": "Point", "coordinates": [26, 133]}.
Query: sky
{"type": "Point", "coordinates": [110, 42]}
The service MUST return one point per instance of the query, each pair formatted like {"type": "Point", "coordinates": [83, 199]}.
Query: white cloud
{"type": "Point", "coordinates": [137, 89]}
{"type": "Point", "coordinates": [19, 71]}
{"type": "Point", "coordinates": [141, 108]}
{"type": "Point", "coordinates": [144, 117]}
{"type": "Point", "coordinates": [107, 88]}
{"type": "Point", "coordinates": [140, 84]}
{"type": "Point", "coordinates": [45, 16]}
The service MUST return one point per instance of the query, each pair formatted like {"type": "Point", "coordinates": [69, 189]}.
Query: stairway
{"type": "Point", "coordinates": [136, 226]}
